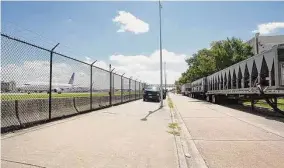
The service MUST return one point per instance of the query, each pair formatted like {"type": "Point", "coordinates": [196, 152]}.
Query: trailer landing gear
{"type": "Point", "coordinates": [214, 99]}
{"type": "Point", "coordinates": [271, 103]}
{"type": "Point", "coordinates": [252, 104]}
{"type": "Point", "coordinates": [208, 98]}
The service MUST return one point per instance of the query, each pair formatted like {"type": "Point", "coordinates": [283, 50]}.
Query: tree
{"type": "Point", "coordinates": [222, 54]}
{"type": "Point", "coordinates": [230, 51]}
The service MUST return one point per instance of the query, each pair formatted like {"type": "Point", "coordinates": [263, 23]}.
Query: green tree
{"type": "Point", "coordinates": [230, 51]}
{"type": "Point", "coordinates": [222, 54]}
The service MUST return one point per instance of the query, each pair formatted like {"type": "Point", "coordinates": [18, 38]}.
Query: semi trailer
{"type": "Point", "coordinates": [258, 77]}
{"type": "Point", "coordinates": [186, 89]}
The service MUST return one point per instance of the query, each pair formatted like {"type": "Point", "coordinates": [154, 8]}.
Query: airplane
{"type": "Point", "coordinates": [44, 86]}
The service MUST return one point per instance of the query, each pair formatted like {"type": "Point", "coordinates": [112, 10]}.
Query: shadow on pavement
{"type": "Point", "coordinates": [262, 112]}
{"type": "Point", "coordinates": [198, 101]}
{"type": "Point", "coordinates": [150, 112]}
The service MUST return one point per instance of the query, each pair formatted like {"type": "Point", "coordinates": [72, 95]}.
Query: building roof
{"type": "Point", "coordinates": [266, 42]}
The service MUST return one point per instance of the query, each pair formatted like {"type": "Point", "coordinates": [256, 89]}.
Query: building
{"type": "Point", "coordinates": [8, 86]}
{"type": "Point", "coordinates": [264, 42]}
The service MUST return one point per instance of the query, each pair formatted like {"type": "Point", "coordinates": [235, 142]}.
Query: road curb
{"type": "Point", "coordinates": [178, 143]}
{"type": "Point", "coordinates": [189, 149]}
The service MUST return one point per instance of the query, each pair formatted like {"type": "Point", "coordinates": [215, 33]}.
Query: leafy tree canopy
{"type": "Point", "coordinates": [222, 54]}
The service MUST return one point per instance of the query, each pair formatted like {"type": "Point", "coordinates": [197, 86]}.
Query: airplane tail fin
{"type": "Point", "coordinates": [71, 81]}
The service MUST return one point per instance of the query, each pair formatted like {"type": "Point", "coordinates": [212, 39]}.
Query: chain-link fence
{"type": "Point", "coordinates": [39, 85]}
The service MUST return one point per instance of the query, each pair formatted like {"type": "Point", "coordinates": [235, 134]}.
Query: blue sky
{"type": "Point", "coordinates": [88, 30]}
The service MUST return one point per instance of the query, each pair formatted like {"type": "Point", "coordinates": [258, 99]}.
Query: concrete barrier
{"type": "Point", "coordinates": [96, 102]}
{"type": "Point", "coordinates": [32, 110]}
{"type": "Point", "coordinates": [116, 99]}
{"type": "Point", "coordinates": [21, 112]}
{"type": "Point", "coordinates": [62, 107]}
{"type": "Point", "coordinates": [8, 114]}
{"type": "Point", "coordinates": [82, 103]}
{"type": "Point", "coordinates": [105, 101]}
{"type": "Point", "coordinates": [132, 97]}
{"type": "Point", "coordinates": [125, 98]}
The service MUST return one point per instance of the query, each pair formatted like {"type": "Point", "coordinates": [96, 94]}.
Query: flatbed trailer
{"type": "Point", "coordinates": [258, 77]}
{"type": "Point", "coordinates": [199, 88]}
{"type": "Point", "coordinates": [186, 89]}
{"type": "Point", "coordinates": [183, 89]}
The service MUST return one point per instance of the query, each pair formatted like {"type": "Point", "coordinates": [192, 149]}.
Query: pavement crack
{"type": "Point", "coordinates": [28, 164]}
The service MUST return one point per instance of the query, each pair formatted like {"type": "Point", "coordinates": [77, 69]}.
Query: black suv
{"type": "Point", "coordinates": [152, 93]}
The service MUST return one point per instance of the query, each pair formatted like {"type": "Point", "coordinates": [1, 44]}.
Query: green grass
{"type": "Point", "coordinates": [173, 132]}
{"type": "Point", "coordinates": [263, 104]}
{"type": "Point", "coordinates": [54, 95]}
{"type": "Point", "coordinates": [170, 103]}
{"type": "Point", "coordinates": [174, 126]}
{"type": "Point", "coordinates": [174, 129]}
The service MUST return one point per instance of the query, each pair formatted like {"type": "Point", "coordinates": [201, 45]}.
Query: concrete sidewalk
{"type": "Point", "coordinates": [229, 138]}
{"type": "Point", "coordinates": [119, 137]}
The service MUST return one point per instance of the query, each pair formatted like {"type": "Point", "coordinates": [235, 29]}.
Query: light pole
{"type": "Point", "coordinates": [161, 60]}
{"type": "Point", "coordinates": [165, 76]}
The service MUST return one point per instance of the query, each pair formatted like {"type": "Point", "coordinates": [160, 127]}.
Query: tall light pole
{"type": "Point", "coordinates": [161, 60]}
{"type": "Point", "coordinates": [165, 76]}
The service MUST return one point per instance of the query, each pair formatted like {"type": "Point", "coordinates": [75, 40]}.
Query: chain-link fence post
{"type": "Point", "coordinates": [50, 81]}
{"type": "Point", "coordinates": [139, 90]}
{"type": "Point", "coordinates": [121, 93]}
{"type": "Point", "coordinates": [110, 84]}
{"type": "Point", "coordinates": [113, 89]}
{"type": "Point", "coordinates": [91, 85]}
{"type": "Point", "coordinates": [121, 90]}
{"type": "Point", "coordinates": [129, 90]}
{"type": "Point", "coordinates": [135, 88]}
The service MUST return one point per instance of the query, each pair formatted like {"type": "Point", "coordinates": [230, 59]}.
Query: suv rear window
{"type": "Point", "coordinates": [152, 88]}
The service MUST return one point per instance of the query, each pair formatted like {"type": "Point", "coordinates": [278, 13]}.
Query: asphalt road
{"type": "Point", "coordinates": [230, 138]}
{"type": "Point", "coordinates": [128, 135]}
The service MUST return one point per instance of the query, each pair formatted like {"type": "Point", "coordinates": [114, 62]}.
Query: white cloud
{"type": "Point", "coordinates": [267, 28]}
{"type": "Point", "coordinates": [147, 68]}
{"type": "Point", "coordinates": [129, 22]}
{"type": "Point", "coordinates": [144, 67]}
{"type": "Point", "coordinates": [38, 71]}
{"type": "Point", "coordinates": [100, 64]}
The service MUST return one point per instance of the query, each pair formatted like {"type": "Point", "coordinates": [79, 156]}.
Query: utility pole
{"type": "Point", "coordinates": [165, 76]}
{"type": "Point", "coordinates": [161, 60]}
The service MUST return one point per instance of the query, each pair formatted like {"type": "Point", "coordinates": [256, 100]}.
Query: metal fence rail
{"type": "Point", "coordinates": [39, 85]}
